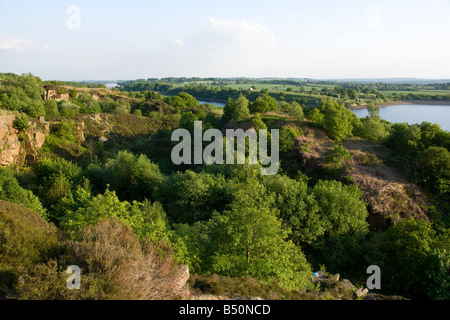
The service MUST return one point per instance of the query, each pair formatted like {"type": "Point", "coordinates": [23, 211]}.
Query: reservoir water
{"type": "Point", "coordinates": [111, 85]}
{"type": "Point", "coordinates": [413, 114]}
{"type": "Point", "coordinates": [219, 104]}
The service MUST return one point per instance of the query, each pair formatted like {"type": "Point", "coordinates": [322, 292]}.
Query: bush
{"type": "Point", "coordinates": [341, 207]}
{"type": "Point", "coordinates": [414, 258]}
{"type": "Point", "coordinates": [249, 240]}
{"type": "Point", "coordinates": [236, 109]}
{"type": "Point", "coordinates": [296, 111]}
{"type": "Point", "coordinates": [336, 157]}
{"type": "Point", "coordinates": [11, 191]}
{"type": "Point", "coordinates": [114, 266]}
{"type": "Point", "coordinates": [51, 109]}
{"type": "Point", "coordinates": [132, 177]}
{"type": "Point", "coordinates": [68, 109]}
{"type": "Point", "coordinates": [264, 103]}
{"type": "Point", "coordinates": [25, 239]}
{"type": "Point", "coordinates": [433, 169]}
{"type": "Point", "coordinates": [287, 136]}
{"type": "Point", "coordinates": [21, 123]}
{"type": "Point", "coordinates": [315, 116]}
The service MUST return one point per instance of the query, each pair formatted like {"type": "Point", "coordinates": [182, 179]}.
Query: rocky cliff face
{"type": "Point", "coordinates": [19, 148]}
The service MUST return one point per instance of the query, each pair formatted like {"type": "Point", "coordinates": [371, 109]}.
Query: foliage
{"type": "Point", "coordinates": [132, 177]}
{"type": "Point", "coordinates": [250, 241]}
{"type": "Point", "coordinates": [187, 121]}
{"type": "Point", "coordinates": [68, 109]}
{"type": "Point", "coordinates": [298, 208]}
{"type": "Point", "coordinates": [315, 116]}
{"type": "Point", "coordinates": [264, 103]}
{"type": "Point", "coordinates": [22, 93]}
{"type": "Point", "coordinates": [433, 169]}
{"type": "Point", "coordinates": [236, 109]}
{"type": "Point", "coordinates": [51, 109]}
{"type": "Point", "coordinates": [336, 157]}
{"type": "Point", "coordinates": [148, 220]}
{"type": "Point", "coordinates": [87, 103]}
{"type": "Point", "coordinates": [182, 100]}
{"type": "Point", "coordinates": [21, 123]}
{"type": "Point", "coordinates": [115, 265]}
{"type": "Point", "coordinates": [296, 111]}
{"type": "Point", "coordinates": [414, 258]}
{"type": "Point", "coordinates": [189, 197]}
{"type": "Point", "coordinates": [258, 122]}
{"type": "Point", "coordinates": [287, 136]}
{"type": "Point", "coordinates": [337, 119]}
{"type": "Point", "coordinates": [10, 190]}
{"type": "Point", "coordinates": [341, 207]}
{"type": "Point", "coordinates": [25, 240]}
{"type": "Point", "coordinates": [343, 214]}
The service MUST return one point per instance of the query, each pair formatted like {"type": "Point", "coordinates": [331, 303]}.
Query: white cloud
{"type": "Point", "coordinates": [241, 32]}
{"type": "Point", "coordinates": [223, 47]}
{"type": "Point", "coordinates": [11, 43]}
{"type": "Point", "coordinates": [177, 42]}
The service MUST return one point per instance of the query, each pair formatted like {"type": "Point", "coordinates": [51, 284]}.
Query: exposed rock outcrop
{"type": "Point", "coordinates": [17, 147]}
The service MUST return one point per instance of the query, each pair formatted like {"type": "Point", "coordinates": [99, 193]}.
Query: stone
{"type": "Point", "coordinates": [360, 292]}
{"type": "Point", "coordinates": [183, 277]}
{"type": "Point", "coordinates": [13, 151]}
{"type": "Point", "coordinates": [348, 285]}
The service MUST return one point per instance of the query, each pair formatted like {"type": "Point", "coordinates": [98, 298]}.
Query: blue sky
{"type": "Point", "coordinates": [98, 40]}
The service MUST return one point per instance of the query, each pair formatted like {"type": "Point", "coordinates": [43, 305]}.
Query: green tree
{"type": "Point", "coordinates": [258, 122]}
{"type": "Point", "coordinates": [344, 215]}
{"type": "Point", "coordinates": [287, 136]}
{"type": "Point", "coordinates": [374, 112]}
{"type": "Point", "coordinates": [183, 100]}
{"type": "Point", "coordinates": [296, 111]}
{"type": "Point", "coordinates": [189, 197]}
{"type": "Point", "coordinates": [341, 207]}
{"type": "Point", "coordinates": [147, 219]}
{"type": "Point", "coordinates": [298, 208]}
{"type": "Point", "coordinates": [414, 257]}
{"type": "Point", "coordinates": [87, 103]}
{"type": "Point", "coordinates": [51, 109]}
{"type": "Point", "coordinates": [404, 139]}
{"type": "Point", "coordinates": [21, 123]}
{"type": "Point", "coordinates": [315, 116]}
{"type": "Point", "coordinates": [433, 169]}
{"type": "Point", "coordinates": [337, 119]}
{"type": "Point", "coordinates": [264, 103]}
{"type": "Point", "coordinates": [236, 109]}
{"type": "Point", "coordinates": [250, 240]}
{"type": "Point", "coordinates": [187, 121]}
{"type": "Point", "coordinates": [11, 191]}
{"type": "Point", "coordinates": [132, 177]}
{"type": "Point", "coordinates": [68, 109]}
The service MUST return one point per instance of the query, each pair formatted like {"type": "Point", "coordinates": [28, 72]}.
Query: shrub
{"type": "Point", "coordinates": [10, 190]}
{"type": "Point", "coordinates": [287, 136]}
{"type": "Point", "coordinates": [296, 111]}
{"type": "Point", "coordinates": [51, 109]}
{"type": "Point", "coordinates": [264, 103]}
{"type": "Point", "coordinates": [336, 157]}
{"type": "Point", "coordinates": [236, 109]}
{"type": "Point", "coordinates": [114, 266]}
{"type": "Point", "coordinates": [21, 123]}
{"type": "Point", "coordinates": [25, 239]}
{"type": "Point", "coordinates": [433, 169]}
{"type": "Point", "coordinates": [414, 257]}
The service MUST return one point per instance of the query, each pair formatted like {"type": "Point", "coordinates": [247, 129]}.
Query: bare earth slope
{"type": "Point", "coordinates": [390, 195]}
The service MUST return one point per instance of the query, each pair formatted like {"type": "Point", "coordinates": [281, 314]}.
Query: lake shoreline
{"type": "Point", "coordinates": [406, 102]}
